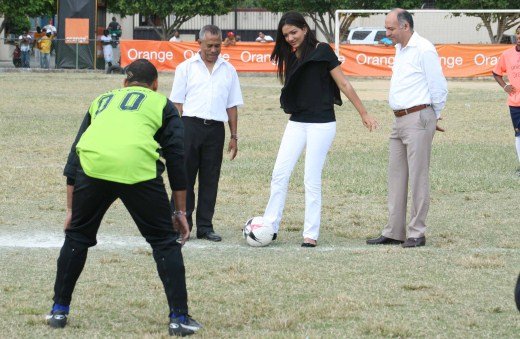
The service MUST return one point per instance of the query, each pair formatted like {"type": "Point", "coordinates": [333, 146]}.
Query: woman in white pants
{"type": "Point", "coordinates": [312, 78]}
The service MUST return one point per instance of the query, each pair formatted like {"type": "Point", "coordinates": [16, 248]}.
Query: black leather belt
{"type": "Point", "coordinates": [402, 112]}
{"type": "Point", "coordinates": [205, 121]}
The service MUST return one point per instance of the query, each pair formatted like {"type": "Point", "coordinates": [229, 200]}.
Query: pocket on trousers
{"type": "Point", "coordinates": [426, 117]}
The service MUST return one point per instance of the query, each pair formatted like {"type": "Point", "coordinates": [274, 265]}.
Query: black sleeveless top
{"type": "Point", "coordinates": [310, 92]}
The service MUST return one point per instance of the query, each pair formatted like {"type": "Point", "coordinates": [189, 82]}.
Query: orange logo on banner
{"type": "Point", "coordinates": [76, 31]}
{"type": "Point", "coordinates": [356, 60]}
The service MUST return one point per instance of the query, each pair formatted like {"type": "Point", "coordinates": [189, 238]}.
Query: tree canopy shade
{"type": "Point", "coordinates": [17, 13]}
{"type": "Point", "coordinates": [495, 23]}
{"type": "Point", "coordinates": [169, 15]}
{"type": "Point", "coordinates": [321, 12]}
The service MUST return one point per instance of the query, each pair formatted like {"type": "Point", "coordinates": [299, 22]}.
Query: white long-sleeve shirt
{"type": "Point", "coordinates": [203, 94]}
{"type": "Point", "coordinates": [417, 76]}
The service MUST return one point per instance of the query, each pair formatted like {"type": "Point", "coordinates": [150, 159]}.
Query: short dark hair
{"type": "Point", "coordinates": [403, 16]}
{"type": "Point", "coordinates": [141, 70]}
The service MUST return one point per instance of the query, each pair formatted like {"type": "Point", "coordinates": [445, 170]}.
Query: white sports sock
{"type": "Point", "coordinates": [518, 147]}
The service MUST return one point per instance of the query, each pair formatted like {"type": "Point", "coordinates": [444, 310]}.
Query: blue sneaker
{"type": "Point", "coordinates": [183, 325]}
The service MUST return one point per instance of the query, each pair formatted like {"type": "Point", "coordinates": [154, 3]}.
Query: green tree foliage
{"type": "Point", "coordinates": [495, 23]}
{"type": "Point", "coordinates": [321, 12]}
{"type": "Point", "coordinates": [166, 16]}
{"type": "Point", "coordinates": [17, 13]}
{"type": "Point", "coordinates": [247, 4]}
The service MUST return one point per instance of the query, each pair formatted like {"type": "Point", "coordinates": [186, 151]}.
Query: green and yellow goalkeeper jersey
{"type": "Point", "coordinates": [119, 144]}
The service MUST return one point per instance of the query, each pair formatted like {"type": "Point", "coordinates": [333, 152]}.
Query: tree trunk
{"type": "Point", "coordinates": [486, 21]}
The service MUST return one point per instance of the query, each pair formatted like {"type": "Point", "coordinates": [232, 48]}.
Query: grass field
{"type": "Point", "coordinates": [460, 285]}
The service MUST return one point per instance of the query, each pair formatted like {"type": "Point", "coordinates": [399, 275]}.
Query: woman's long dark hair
{"type": "Point", "coordinates": [282, 49]}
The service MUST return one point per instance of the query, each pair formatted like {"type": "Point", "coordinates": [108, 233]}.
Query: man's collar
{"type": "Point", "coordinates": [198, 58]}
{"type": "Point", "coordinates": [414, 39]}
{"type": "Point", "coordinates": [412, 42]}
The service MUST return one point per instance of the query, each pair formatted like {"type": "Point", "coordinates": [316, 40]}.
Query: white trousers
{"type": "Point", "coordinates": [517, 143]}
{"type": "Point", "coordinates": [317, 139]}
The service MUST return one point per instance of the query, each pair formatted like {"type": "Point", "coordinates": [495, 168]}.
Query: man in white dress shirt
{"type": "Point", "coordinates": [418, 92]}
{"type": "Point", "coordinates": [206, 91]}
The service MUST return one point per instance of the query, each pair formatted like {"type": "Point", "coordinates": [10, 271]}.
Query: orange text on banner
{"type": "Point", "coordinates": [76, 31]}
{"type": "Point", "coordinates": [357, 60]}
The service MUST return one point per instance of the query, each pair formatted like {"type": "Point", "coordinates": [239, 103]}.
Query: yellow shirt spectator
{"type": "Point", "coordinates": [45, 44]}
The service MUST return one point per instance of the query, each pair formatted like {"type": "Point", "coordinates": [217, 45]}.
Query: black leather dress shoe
{"type": "Point", "coordinates": [414, 242]}
{"type": "Point", "coordinates": [210, 235]}
{"type": "Point", "coordinates": [382, 240]}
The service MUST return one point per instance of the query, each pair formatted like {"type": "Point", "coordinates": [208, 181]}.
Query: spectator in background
{"type": "Point", "coordinates": [238, 38]}
{"type": "Point", "coordinates": [230, 40]}
{"type": "Point", "coordinates": [54, 35]}
{"type": "Point", "coordinates": [17, 57]}
{"type": "Point", "coordinates": [264, 38]}
{"type": "Point", "coordinates": [114, 26]}
{"type": "Point", "coordinates": [176, 37]}
{"type": "Point", "coordinates": [385, 41]}
{"type": "Point", "coordinates": [36, 43]}
{"type": "Point", "coordinates": [51, 27]}
{"type": "Point", "coordinates": [106, 41]}
{"type": "Point", "coordinates": [45, 46]}
{"type": "Point", "coordinates": [114, 30]}
{"type": "Point", "coordinates": [25, 41]}
{"type": "Point", "coordinates": [39, 42]}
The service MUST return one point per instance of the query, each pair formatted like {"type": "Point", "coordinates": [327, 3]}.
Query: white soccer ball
{"type": "Point", "coordinates": [256, 234]}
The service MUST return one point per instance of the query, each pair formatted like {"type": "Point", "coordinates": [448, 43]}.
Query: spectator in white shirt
{"type": "Point", "coordinates": [418, 92]}
{"type": "Point", "coordinates": [206, 91]}
{"type": "Point", "coordinates": [106, 41]}
{"type": "Point", "coordinates": [176, 37]}
{"type": "Point", "coordinates": [264, 38]}
{"type": "Point", "coordinates": [25, 41]}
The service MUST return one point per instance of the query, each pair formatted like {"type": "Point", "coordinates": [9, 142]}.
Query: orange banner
{"type": "Point", "coordinates": [76, 31]}
{"type": "Point", "coordinates": [245, 57]}
{"type": "Point", "coordinates": [357, 60]}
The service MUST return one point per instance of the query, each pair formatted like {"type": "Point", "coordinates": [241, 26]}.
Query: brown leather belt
{"type": "Point", "coordinates": [406, 111]}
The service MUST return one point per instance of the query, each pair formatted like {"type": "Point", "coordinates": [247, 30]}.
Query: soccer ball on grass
{"type": "Point", "coordinates": [256, 234]}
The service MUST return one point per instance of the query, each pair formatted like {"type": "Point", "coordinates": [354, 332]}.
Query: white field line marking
{"type": "Point", "coordinates": [55, 240]}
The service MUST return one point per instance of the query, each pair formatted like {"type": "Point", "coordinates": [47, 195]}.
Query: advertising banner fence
{"type": "Point", "coordinates": [357, 60]}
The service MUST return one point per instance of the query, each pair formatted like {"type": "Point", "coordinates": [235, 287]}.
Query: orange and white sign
{"type": "Point", "coordinates": [357, 60]}
{"type": "Point", "coordinates": [76, 31]}
{"type": "Point", "coordinates": [165, 55]}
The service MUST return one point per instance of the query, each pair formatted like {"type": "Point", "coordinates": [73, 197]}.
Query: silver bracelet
{"type": "Point", "coordinates": [178, 213]}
